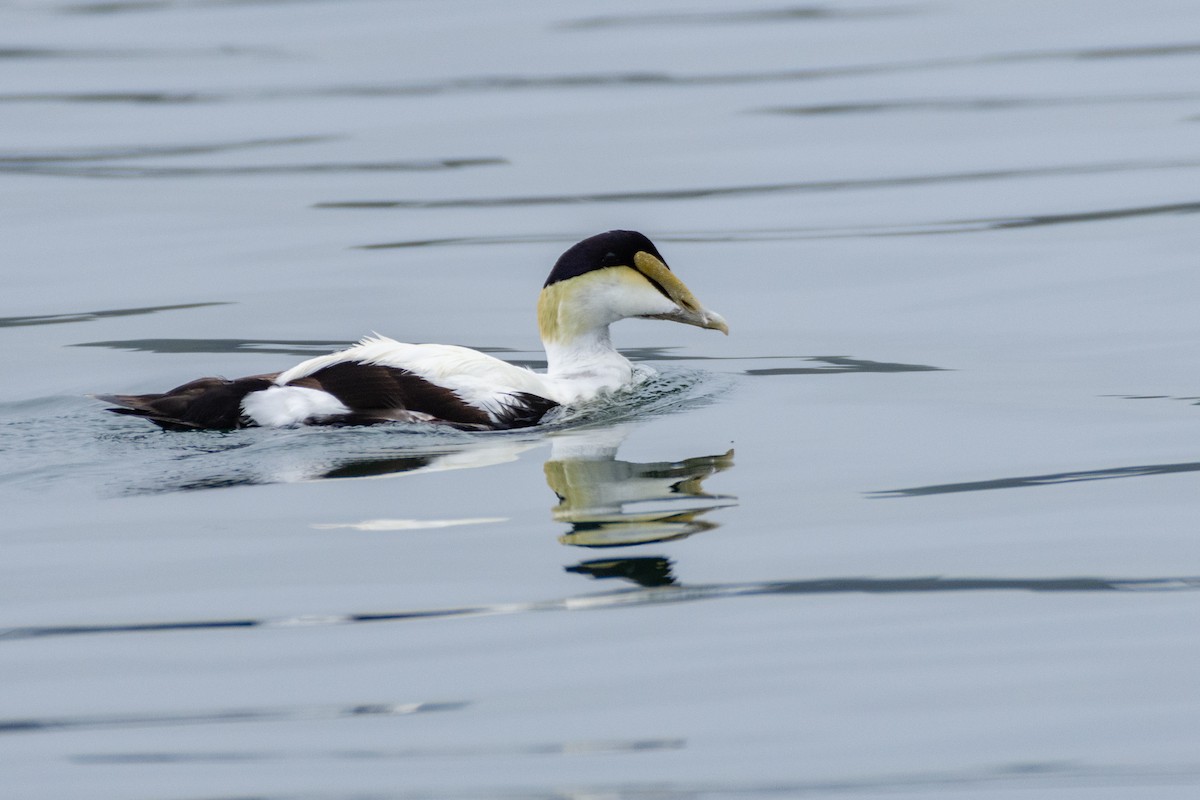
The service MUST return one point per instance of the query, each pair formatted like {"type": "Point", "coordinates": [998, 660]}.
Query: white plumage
{"type": "Point", "coordinates": [285, 406]}
{"type": "Point", "coordinates": [481, 380]}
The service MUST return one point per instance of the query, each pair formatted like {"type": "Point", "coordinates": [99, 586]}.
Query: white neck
{"type": "Point", "coordinates": [586, 365]}
{"type": "Point", "coordinates": [573, 317]}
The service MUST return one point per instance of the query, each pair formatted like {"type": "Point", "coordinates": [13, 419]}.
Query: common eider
{"type": "Point", "coordinates": [603, 279]}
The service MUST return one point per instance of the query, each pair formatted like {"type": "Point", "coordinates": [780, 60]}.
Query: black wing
{"type": "Point", "coordinates": [374, 393]}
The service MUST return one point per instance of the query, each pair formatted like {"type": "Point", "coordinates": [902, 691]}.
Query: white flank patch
{"type": "Point", "coordinates": [407, 524]}
{"type": "Point", "coordinates": [285, 406]}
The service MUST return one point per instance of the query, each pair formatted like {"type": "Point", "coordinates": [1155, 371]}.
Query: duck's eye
{"type": "Point", "coordinates": [610, 260]}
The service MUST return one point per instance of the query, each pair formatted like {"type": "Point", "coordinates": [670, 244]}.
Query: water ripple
{"type": "Point", "coordinates": [222, 717]}
{"type": "Point", "coordinates": [1167, 209]}
{"type": "Point", "coordinates": [641, 596]}
{"type": "Point", "coordinates": [38, 53]}
{"type": "Point", "coordinates": [657, 79]}
{"type": "Point", "coordinates": [136, 6]}
{"type": "Point", "coordinates": [1051, 479]}
{"type": "Point", "coordinates": [89, 316]}
{"type": "Point", "coordinates": [153, 151]}
{"type": "Point", "coordinates": [750, 190]}
{"type": "Point", "coordinates": [134, 97]}
{"type": "Point", "coordinates": [1188, 398]}
{"type": "Point", "coordinates": [1028, 778]}
{"type": "Point", "coordinates": [724, 18]}
{"type": "Point", "coordinates": [567, 748]}
{"type": "Point", "coordinates": [107, 171]}
{"type": "Point", "coordinates": [842, 364]}
{"type": "Point", "coordinates": [292, 347]}
{"type": "Point", "coordinates": [716, 235]}
{"type": "Point", "coordinates": [973, 104]}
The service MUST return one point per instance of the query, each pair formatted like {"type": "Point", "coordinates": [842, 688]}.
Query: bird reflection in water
{"type": "Point", "coordinates": [606, 502]}
{"type": "Point", "coordinates": [648, 571]}
{"type": "Point", "coordinates": [613, 503]}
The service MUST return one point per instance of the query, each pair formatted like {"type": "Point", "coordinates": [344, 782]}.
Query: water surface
{"type": "Point", "coordinates": [901, 534]}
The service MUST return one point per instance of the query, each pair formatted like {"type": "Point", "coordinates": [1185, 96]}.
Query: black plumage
{"type": "Point", "coordinates": [371, 389]}
{"type": "Point", "coordinates": [373, 393]}
{"type": "Point", "coordinates": [205, 403]}
{"type": "Point", "coordinates": [611, 249]}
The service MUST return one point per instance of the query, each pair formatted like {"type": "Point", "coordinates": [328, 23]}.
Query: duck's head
{"type": "Point", "coordinates": [610, 277]}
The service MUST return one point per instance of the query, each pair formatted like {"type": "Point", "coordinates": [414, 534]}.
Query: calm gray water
{"type": "Point", "coordinates": [924, 525]}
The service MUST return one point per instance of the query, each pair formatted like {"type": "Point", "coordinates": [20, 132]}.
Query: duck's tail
{"type": "Point", "coordinates": [206, 403]}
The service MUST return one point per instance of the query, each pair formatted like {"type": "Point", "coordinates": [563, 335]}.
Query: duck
{"type": "Point", "coordinates": [601, 280]}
